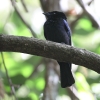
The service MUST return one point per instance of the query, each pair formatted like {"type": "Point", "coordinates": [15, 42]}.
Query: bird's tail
{"type": "Point", "coordinates": [66, 74]}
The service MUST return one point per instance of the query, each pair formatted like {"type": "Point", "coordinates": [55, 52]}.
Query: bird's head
{"type": "Point", "coordinates": [54, 15]}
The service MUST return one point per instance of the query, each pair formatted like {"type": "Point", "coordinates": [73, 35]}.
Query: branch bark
{"type": "Point", "coordinates": [60, 52]}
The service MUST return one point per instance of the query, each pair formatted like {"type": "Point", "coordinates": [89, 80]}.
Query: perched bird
{"type": "Point", "coordinates": [57, 29]}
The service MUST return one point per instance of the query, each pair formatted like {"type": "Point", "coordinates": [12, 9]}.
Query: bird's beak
{"type": "Point", "coordinates": [46, 14]}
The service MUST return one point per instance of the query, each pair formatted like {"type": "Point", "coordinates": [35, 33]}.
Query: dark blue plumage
{"type": "Point", "coordinates": [57, 29]}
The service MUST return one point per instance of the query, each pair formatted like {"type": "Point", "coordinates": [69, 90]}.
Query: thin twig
{"type": "Point", "coordinates": [23, 3]}
{"type": "Point", "coordinates": [6, 20]}
{"type": "Point", "coordinates": [90, 14]}
{"type": "Point", "coordinates": [73, 23]}
{"type": "Point", "coordinates": [21, 17]}
{"type": "Point", "coordinates": [36, 68]}
{"type": "Point", "coordinates": [9, 80]}
{"type": "Point", "coordinates": [89, 3]}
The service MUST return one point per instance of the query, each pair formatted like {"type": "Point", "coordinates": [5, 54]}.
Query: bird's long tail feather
{"type": "Point", "coordinates": [66, 75]}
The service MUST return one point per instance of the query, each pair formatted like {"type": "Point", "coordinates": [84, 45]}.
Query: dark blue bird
{"type": "Point", "coordinates": [57, 29]}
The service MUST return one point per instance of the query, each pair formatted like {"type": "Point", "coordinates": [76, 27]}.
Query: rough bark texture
{"type": "Point", "coordinates": [50, 49]}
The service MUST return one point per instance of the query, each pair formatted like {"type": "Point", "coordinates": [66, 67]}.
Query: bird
{"type": "Point", "coordinates": [56, 29]}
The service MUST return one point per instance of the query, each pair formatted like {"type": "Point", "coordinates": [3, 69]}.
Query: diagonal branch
{"type": "Point", "coordinates": [60, 52]}
{"type": "Point", "coordinates": [89, 13]}
{"type": "Point", "coordinates": [9, 80]}
{"type": "Point", "coordinates": [23, 3]}
{"type": "Point", "coordinates": [35, 71]}
{"type": "Point", "coordinates": [21, 17]}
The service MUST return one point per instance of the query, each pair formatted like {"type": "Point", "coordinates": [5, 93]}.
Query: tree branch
{"type": "Point", "coordinates": [9, 80]}
{"type": "Point", "coordinates": [23, 3]}
{"type": "Point", "coordinates": [60, 52]}
{"type": "Point", "coordinates": [35, 71]}
{"type": "Point", "coordinates": [22, 18]}
{"type": "Point", "coordinates": [89, 12]}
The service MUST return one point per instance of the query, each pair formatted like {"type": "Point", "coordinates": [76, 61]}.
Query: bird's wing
{"type": "Point", "coordinates": [45, 35]}
{"type": "Point", "coordinates": [68, 31]}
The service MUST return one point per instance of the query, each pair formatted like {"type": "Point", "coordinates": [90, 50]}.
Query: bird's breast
{"type": "Point", "coordinates": [55, 30]}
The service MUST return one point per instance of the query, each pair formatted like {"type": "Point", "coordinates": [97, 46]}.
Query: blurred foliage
{"type": "Point", "coordinates": [20, 66]}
